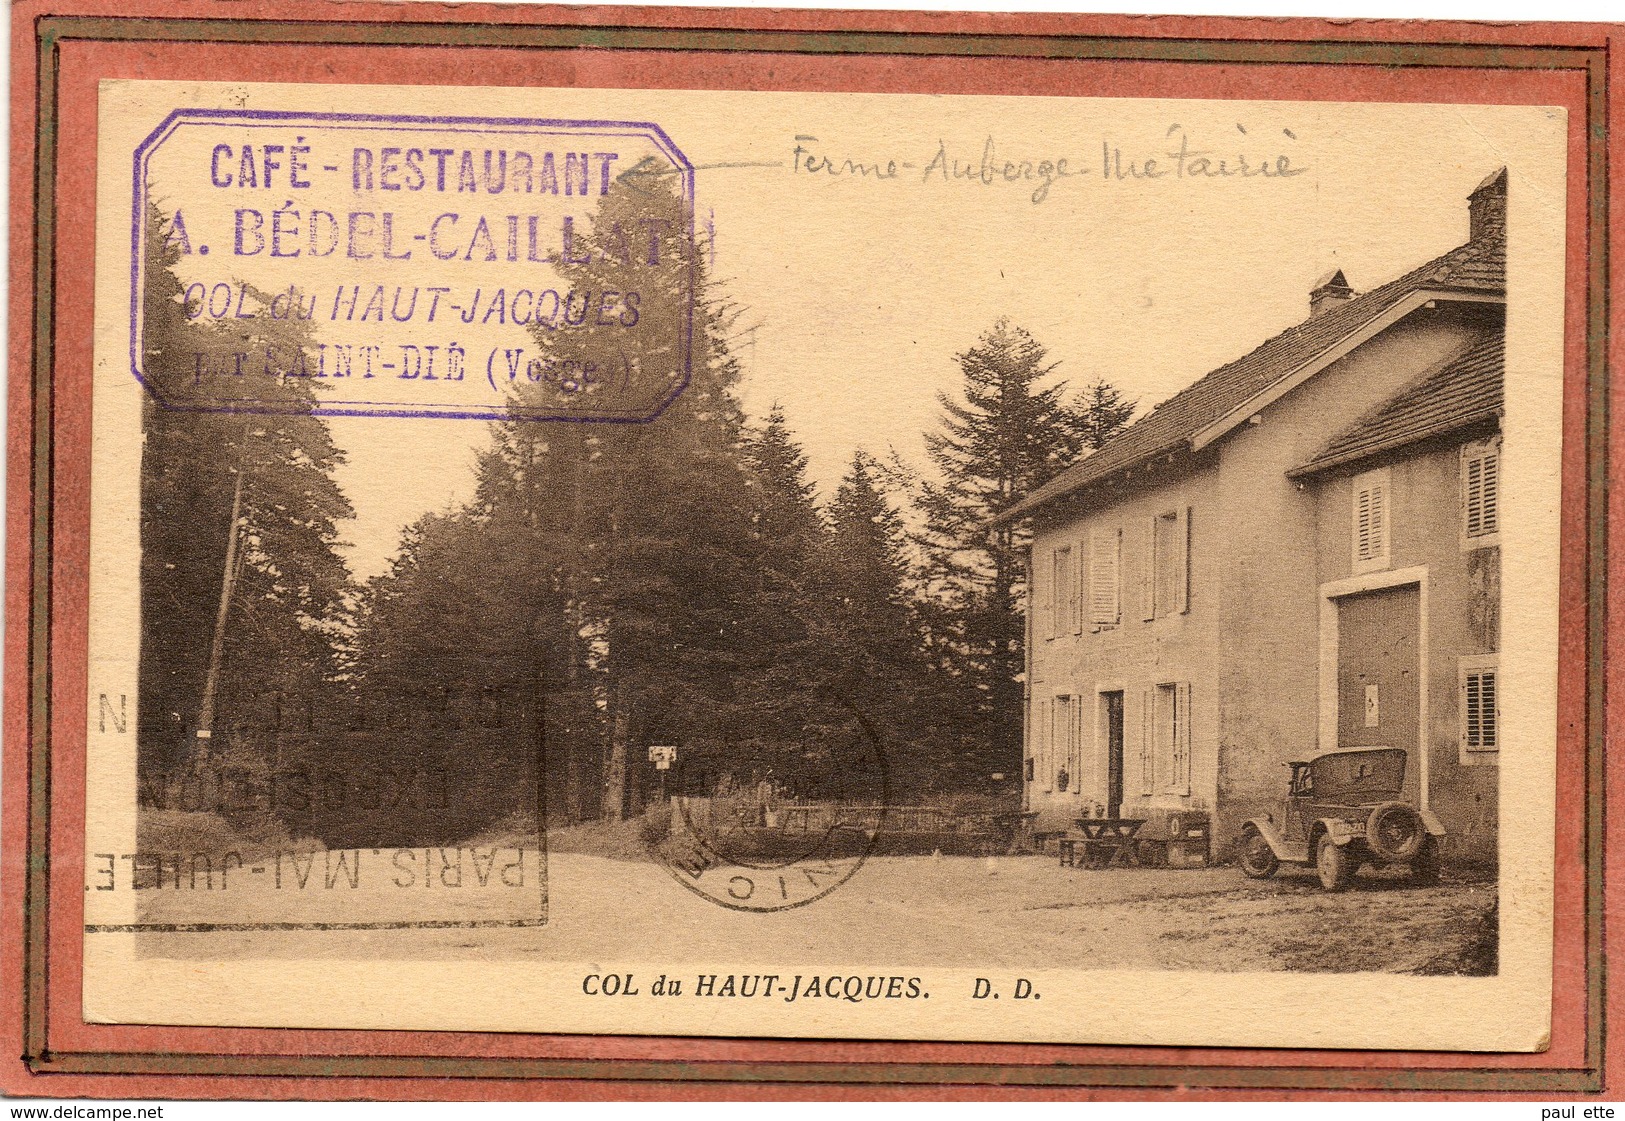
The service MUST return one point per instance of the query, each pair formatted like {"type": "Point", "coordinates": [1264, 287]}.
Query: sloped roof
{"type": "Point", "coordinates": [1478, 266]}
{"type": "Point", "coordinates": [1467, 390]}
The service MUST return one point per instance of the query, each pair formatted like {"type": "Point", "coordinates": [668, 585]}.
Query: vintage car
{"type": "Point", "coordinates": [1343, 810]}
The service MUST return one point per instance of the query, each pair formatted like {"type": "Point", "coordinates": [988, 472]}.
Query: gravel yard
{"type": "Point", "coordinates": [978, 912]}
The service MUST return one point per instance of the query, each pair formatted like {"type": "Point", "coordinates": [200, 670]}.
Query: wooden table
{"type": "Point", "coordinates": [1108, 842]}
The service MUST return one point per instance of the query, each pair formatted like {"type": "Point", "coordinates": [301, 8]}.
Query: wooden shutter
{"type": "Point", "coordinates": [1371, 519]}
{"type": "Point", "coordinates": [1148, 571]}
{"type": "Point", "coordinates": [1379, 520]}
{"type": "Point", "coordinates": [1480, 715]}
{"type": "Point", "coordinates": [1492, 493]}
{"type": "Point", "coordinates": [1060, 562]}
{"type": "Point", "coordinates": [1045, 576]}
{"type": "Point", "coordinates": [1105, 547]}
{"type": "Point", "coordinates": [1076, 766]}
{"type": "Point", "coordinates": [1483, 469]}
{"type": "Point", "coordinates": [1148, 741]}
{"type": "Point", "coordinates": [1182, 562]}
{"type": "Point", "coordinates": [1060, 728]}
{"type": "Point", "coordinates": [1075, 607]}
{"type": "Point", "coordinates": [1046, 746]}
{"type": "Point", "coordinates": [1182, 739]}
{"type": "Point", "coordinates": [1362, 523]}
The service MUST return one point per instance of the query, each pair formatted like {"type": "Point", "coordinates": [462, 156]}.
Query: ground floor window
{"type": "Point", "coordinates": [1165, 743]}
{"type": "Point", "coordinates": [1056, 761]}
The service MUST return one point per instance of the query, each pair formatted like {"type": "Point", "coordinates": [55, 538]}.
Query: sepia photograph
{"type": "Point", "coordinates": [692, 554]}
{"type": "Point", "coordinates": [823, 564]}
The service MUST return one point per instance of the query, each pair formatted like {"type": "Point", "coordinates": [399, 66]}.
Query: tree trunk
{"type": "Point", "coordinates": [615, 768]}
{"type": "Point", "coordinates": [542, 767]}
{"type": "Point", "coordinates": [573, 794]}
{"type": "Point", "coordinates": [211, 678]}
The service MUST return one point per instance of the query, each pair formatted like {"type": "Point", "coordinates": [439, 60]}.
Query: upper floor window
{"type": "Point", "coordinates": [1372, 518]}
{"type": "Point", "coordinates": [1105, 592]}
{"type": "Point", "coordinates": [1063, 591]}
{"type": "Point", "coordinates": [1167, 568]}
{"type": "Point", "coordinates": [1481, 492]}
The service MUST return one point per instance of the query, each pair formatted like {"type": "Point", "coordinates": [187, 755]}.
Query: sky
{"type": "Point", "coordinates": [862, 290]}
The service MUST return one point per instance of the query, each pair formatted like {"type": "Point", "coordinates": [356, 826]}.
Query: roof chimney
{"type": "Point", "coordinates": [1329, 291]}
{"type": "Point", "coordinates": [1487, 207]}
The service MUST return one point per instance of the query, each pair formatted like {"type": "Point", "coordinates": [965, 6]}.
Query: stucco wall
{"type": "Point", "coordinates": [1137, 654]}
{"type": "Point", "coordinates": [1250, 642]}
{"type": "Point", "coordinates": [1269, 676]}
{"type": "Point", "coordinates": [1462, 598]}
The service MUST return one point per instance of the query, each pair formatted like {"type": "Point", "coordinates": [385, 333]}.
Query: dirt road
{"type": "Point", "coordinates": [916, 911]}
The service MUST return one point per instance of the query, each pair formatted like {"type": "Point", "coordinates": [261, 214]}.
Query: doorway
{"type": "Point", "coordinates": [1379, 670]}
{"type": "Point", "coordinates": [1113, 714]}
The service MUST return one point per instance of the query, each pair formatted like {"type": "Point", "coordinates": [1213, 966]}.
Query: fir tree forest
{"type": "Point", "coordinates": [608, 587]}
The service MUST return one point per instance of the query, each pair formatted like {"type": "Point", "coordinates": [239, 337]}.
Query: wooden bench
{"type": "Point", "coordinates": [1068, 843]}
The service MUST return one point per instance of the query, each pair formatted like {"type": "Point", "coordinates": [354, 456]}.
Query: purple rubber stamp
{"type": "Point", "coordinates": [379, 265]}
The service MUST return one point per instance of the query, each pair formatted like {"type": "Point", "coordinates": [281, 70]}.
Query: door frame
{"type": "Point", "coordinates": [1103, 762]}
{"type": "Point", "coordinates": [1330, 593]}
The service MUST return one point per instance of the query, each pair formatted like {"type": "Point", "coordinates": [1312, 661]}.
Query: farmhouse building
{"type": "Point", "coordinates": [1297, 553]}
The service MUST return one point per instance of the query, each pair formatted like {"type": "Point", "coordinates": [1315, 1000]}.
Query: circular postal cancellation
{"type": "Point", "coordinates": [781, 832]}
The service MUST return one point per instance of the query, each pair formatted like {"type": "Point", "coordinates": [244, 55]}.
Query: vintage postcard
{"type": "Point", "coordinates": [1072, 563]}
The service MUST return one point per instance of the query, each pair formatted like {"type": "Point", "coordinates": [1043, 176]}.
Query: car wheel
{"type": "Point", "coordinates": [1425, 868]}
{"type": "Point", "coordinates": [1333, 865]}
{"type": "Point", "coordinates": [1257, 859]}
{"type": "Point", "coordinates": [1395, 832]}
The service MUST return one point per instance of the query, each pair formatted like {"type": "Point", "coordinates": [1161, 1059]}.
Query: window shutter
{"type": "Point", "coordinates": [1046, 746]}
{"type": "Point", "coordinates": [1475, 496]}
{"type": "Point", "coordinates": [1369, 500]}
{"type": "Point", "coordinates": [1182, 738]}
{"type": "Point", "coordinates": [1057, 737]}
{"type": "Point", "coordinates": [1105, 549]}
{"type": "Point", "coordinates": [1182, 561]}
{"type": "Point", "coordinates": [1148, 741]}
{"type": "Point", "coordinates": [1115, 548]}
{"type": "Point", "coordinates": [1047, 595]}
{"type": "Point", "coordinates": [1148, 571]}
{"type": "Point", "coordinates": [1077, 745]}
{"type": "Point", "coordinates": [1481, 714]}
{"type": "Point", "coordinates": [1059, 566]}
{"type": "Point", "coordinates": [1483, 491]}
{"type": "Point", "coordinates": [1086, 582]}
{"type": "Point", "coordinates": [1371, 518]}
{"type": "Point", "coordinates": [1075, 606]}
{"type": "Point", "coordinates": [1379, 520]}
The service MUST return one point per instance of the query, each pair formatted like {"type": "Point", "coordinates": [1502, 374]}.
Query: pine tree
{"type": "Point", "coordinates": [665, 577]}
{"type": "Point", "coordinates": [1102, 411]}
{"type": "Point", "coordinates": [287, 615]}
{"type": "Point", "coordinates": [1008, 435]}
{"type": "Point", "coordinates": [790, 667]}
{"type": "Point", "coordinates": [871, 619]}
{"type": "Point", "coordinates": [786, 519]}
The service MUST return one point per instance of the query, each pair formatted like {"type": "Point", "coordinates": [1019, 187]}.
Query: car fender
{"type": "Point", "coordinates": [1431, 823]}
{"type": "Point", "coordinates": [1272, 836]}
{"type": "Point", "coordinates": [1338, 830]}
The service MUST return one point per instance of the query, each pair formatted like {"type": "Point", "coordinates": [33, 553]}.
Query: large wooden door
{"type": "Point", "coordinates": [1379, 672]}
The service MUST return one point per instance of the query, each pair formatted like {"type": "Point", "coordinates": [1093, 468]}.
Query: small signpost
{"type": "Point", "coordinates": [662, 756]}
